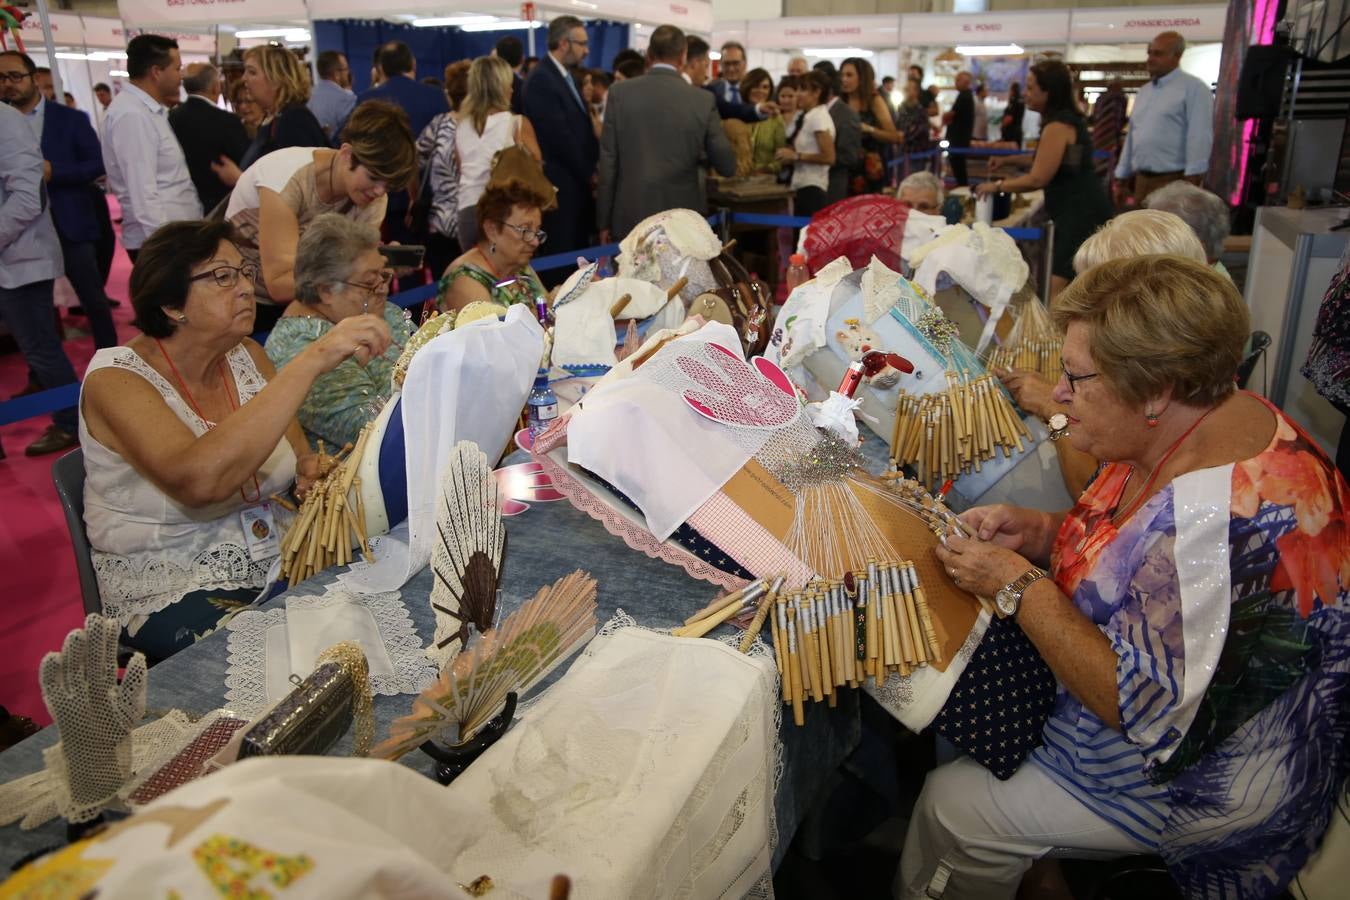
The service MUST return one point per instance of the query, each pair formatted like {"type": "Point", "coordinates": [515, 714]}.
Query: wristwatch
{"type": "Point", "coordinates": [1010, 597]}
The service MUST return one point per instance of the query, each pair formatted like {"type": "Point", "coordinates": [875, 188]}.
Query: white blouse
{"type": "Point", "coordinates": [149, 551]}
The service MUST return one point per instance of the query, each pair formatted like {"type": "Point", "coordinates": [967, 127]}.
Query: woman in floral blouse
{"type": "Point", "coordinates": [1194, 615]}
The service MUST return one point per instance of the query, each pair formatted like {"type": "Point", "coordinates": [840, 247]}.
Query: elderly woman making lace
{"type": "Point", "coordinates": [1194, 614]}
{"type": "Point", "coordinates": [339, 273]}
{"type": "Point", "coordinates": [497, 268]}
{"type": "Point", "coordinates": [187, 430]}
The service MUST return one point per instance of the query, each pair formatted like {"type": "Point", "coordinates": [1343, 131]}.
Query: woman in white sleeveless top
{"type": "Point", "coordinates": [187, 430]}
{"type": "Point", "coordinates": [486, 126]}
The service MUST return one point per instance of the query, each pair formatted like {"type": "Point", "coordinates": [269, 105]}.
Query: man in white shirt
{"type": "Point", "coordinates": [1171, 126]}
{"type": "Point", "coordinates": [146, 167]}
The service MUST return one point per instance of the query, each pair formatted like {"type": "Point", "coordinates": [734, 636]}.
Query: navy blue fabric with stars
{"type": "Point", "coordinates": [997, 710]}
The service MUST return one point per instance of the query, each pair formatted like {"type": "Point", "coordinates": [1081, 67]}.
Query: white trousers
{"type": "Point", "coordinates": [973, 837]}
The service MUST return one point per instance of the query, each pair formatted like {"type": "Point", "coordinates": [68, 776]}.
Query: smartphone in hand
{"type": "Point", "coordinates": [403, 256]}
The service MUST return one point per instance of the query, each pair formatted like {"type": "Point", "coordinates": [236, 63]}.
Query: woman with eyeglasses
{"type": "Point", "coordinates": [1192, 606]}
{"type": "Point", "coordinates": [282, 193]}
{"type": "Point", "coordinates": [498, 267]}
{"type": "Point", "coordinates": [187, 431]}
{"type": "Point", "coordinates": [339, 273]}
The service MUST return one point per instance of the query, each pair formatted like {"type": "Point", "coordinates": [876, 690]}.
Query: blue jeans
{"type": "Point", "coordinates": [83, 271]}
{"type": "Point", "coordinates": [30, 315]}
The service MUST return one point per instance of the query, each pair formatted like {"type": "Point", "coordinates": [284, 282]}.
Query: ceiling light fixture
{"type": "Point", "coordinates": [990, 50]}
{"type": "Point", "coordinates": [837, 52]}
{"type": "Point", "coordinates": [445, 21]}
{"type": "Point", "coordinates": [505, 25]}
{"type": "Point", "coordinates": [295, 35]}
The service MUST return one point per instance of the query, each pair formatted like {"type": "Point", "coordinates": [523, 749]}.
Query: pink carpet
{"type": "Point", "coordinates": [39, 589]}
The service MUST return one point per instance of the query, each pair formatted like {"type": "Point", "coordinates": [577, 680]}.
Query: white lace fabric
{"type": "Point", "coordinates": [148, 550]}
{"type": "Point", "coordinates": [252, 655]}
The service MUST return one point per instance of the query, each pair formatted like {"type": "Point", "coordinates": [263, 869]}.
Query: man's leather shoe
{"type": "Point", "coordinates": [53, 440]}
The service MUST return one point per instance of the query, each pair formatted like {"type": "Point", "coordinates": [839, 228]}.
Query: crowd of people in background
{"type": "Point", "coordinates": [266, 147]}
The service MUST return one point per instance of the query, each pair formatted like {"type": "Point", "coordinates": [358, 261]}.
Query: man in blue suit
{"type": "Point", "coordinates": [72, 162]}
{"type": "Point", "coordinates": [422, 103]}
{"type": "Point", "coordinates": [562, 124]}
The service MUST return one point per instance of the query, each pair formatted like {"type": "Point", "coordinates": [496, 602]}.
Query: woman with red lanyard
{"type": "Point", "coordinates": [187, 431]}
{"type": "Point", "coordinates": [1194, 615]}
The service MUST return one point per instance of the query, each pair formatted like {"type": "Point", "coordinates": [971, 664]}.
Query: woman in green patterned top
{"type": "Point", "coordinates": [339, 272]}
{"type": "Point", "coordinates": [497, 269]}
{"type": "Point", "coordinates": [768, 136]}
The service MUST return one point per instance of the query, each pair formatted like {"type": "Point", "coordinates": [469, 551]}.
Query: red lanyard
{"type": "Point", "coordinates": [229, 396]}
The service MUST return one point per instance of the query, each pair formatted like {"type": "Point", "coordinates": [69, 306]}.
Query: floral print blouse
{"type": "Point", "coordinates": [1225, 598]}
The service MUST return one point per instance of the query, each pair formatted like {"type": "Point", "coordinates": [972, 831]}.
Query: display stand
{"type": "Point", "coordinates": [1293, 257]}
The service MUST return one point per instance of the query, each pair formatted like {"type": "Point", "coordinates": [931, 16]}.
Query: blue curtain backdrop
{"type": "Point", "coordinates": [435, 48]}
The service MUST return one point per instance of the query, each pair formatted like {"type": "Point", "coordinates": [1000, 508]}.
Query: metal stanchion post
{"type": "Point", "coordinates": [1049, 259]}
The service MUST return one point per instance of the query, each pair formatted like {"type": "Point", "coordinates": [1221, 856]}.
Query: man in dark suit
{"type": "Point", "coordinates": [657, 131]}
{"type": "Point", "coordinates": [512, 51]}
{"type": "Point", "coordinates": [961, 125]}
{"type": "Point", "coordinates": [207, 133]}
{"type": "Point", "coordinates": [847, 137]}
{"type": "Point", "coordinates": [697, 63]}
{"type": "Point", "coordinates": [72, 162]}
{"type": "Point", "coordinates": [562, 124]}
{"type": "Point", "coordinates": [422, 103]}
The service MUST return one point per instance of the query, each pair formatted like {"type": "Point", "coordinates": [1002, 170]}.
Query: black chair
{"type": "Point", "coordinates": [1256, 351]}
{"type": "Point", "coordinates": [68, 476]}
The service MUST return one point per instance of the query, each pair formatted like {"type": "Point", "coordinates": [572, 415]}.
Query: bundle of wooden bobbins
{"type": "Point", "coordinates": [331, 519]}
{"type": "Point", "coordinates": [834, 634]}
{"type": "Point", "coordinates": [948, 433]}
{"type": "Point", "coordinates": [1033, 344]}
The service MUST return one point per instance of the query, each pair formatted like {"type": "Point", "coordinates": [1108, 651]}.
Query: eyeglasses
{"type": "Point", "coordinates": [528, 234]}
{"type": "Point", "coordinates": [1074, 379]}
{"type": "Point", "coordinates": [385, 278]}
{"type": "Point", "coordinates": [15, 77]}
{"type": "Point", "coordinates": [228, 276]}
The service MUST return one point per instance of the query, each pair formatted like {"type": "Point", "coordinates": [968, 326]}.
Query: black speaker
{"type": "Point", "coordinates": [1261, 83]}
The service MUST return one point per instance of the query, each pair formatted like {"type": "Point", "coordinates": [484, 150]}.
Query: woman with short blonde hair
{"type": "Point", "coordinates": [1195, 615]}
{"type": "Point", "coordinates": [1138, 233]}
{"type": "Point", "coordinates": [486, 127]}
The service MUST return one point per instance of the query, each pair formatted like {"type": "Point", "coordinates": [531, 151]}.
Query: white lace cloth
{"type": "Point", "coordinates": [260, 656]}
{"type": "Point", "coordinates": [148, 550]}
{"type": "Point", "coordinates": [983, 260]}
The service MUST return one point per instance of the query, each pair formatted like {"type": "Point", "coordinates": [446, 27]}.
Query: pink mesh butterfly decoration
{"type": "Point", "coordinates": [731, 391]}
{"type": "Point", "coordinates": [524, 483]}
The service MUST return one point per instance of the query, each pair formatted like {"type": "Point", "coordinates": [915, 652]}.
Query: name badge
{"type": "Point", "coordinates": [260, 531]}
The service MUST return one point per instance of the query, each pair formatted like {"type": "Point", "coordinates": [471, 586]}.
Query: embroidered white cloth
{"type": "Point", "coordinates": [466, 385]}
{"type": "Point", "coordinates": [264, 651]}
{"type": "Point", "coordinates": [646, 772]}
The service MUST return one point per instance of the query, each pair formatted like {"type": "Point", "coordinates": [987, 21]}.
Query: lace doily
{"type": "Point", "coordinates": [129, 591]}
{"type": "Point", "coordinates": [246, 677]}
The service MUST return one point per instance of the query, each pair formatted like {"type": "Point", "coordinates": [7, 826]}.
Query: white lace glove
{"type": "Point", "coordinates": [94, 715]}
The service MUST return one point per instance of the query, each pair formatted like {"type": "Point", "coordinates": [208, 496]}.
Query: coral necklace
{"type": "Point", "coordinates": [1128, 509]}
{"type": "Point", "coordinates": [229, 396]}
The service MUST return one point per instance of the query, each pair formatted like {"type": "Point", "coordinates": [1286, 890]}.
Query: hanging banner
{"type": "Point", "coordinates": [694, 16]}
{"type": "Point", "coordinates": [1050, 26]}
{"type": "Point", "coordinates": [823, 31]}
{"type": "Point", "coordinates": [67, 30]}
{"type": "Point", "coordinates": [1138, 24]}
{"type": "Point", "coordinates": [111, 34]}
{"type": "Point", "coordinates": [154, 14]}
